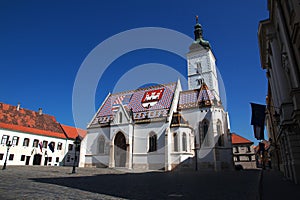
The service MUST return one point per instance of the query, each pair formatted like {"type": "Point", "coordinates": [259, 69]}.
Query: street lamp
{"type": "Point", "coordinates": [77, 145]}
{"type": "Point", "coordinates": [8, 145]}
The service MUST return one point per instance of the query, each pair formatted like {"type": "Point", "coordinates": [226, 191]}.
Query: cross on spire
{"type": "Point", "coordinates": [197, 18]}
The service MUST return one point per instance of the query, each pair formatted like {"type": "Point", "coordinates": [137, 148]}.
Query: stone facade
{"type": "Point", "coordinates": [279, 41]}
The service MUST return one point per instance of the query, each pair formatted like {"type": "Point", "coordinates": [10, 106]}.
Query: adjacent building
{"type": "Point", "coordinates": [36, 138]}
{"type": "Point", "coordinates": [162, 126]}
{"type": "Point", "coordinates": [279, 42]}
{"type": "Point", "coordinates": [243, 152]}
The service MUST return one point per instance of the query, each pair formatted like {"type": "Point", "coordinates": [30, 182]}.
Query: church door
{"type": "Point", "coordinates": [37, 158]}
{"type": "Point", "coordinates": [120, 150]}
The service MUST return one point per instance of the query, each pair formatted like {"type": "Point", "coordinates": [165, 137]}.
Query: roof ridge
{"type": "Point", "coordinates": [26, 109]}
{"type": "Point", "coordinates": [144, 88]}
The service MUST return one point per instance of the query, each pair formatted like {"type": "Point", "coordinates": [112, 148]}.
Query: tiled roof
{"type": "Point", "coordinates": [144, 103]}
{"type": "Point", "coordinates": [178, 120]}
{"type": "Point", "coordinates": [196, 98]}
{"type": "Point", "coordinates": [73, 132]}
{"type": "Point", "coordinates": [237, 139]}
{"type": "Point", "coordinates": [29, 121]}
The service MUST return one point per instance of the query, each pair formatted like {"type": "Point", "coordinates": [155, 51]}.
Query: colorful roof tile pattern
{"type": "Point", "coordinates": [196, 98]}
{"type": "Point", "coordinates": [144, 103]}
{"type": "Point", "coordinates": [205, 94]}
{"type": "Point", "coordinates": [23, 120]}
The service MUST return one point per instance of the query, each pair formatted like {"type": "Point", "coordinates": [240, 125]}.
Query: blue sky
{"type": "Point", "coordinates": [44, 43]}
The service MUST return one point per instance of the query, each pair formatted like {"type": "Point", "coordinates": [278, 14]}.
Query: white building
{"type": "Point", "coordinates": [36, 138]}
{"type": "Point", "coordinates": [159, 127]}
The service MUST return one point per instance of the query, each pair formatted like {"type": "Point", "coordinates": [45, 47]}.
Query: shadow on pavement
{"type": "Point", "coordinates": [157, 185]}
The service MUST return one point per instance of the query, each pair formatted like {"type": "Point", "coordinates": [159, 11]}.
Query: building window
{"type": "Point", "coordinates": [249, 158]}
{"type": "Point", "coordinates": [248, 149]}
{"type": "Point", "coordinates": [11, 157]}
{"type": "Point", "coordinates": [15, 140]}
{"type": "Point", "coordinates": [203, 129]}
{"type": "Point", "coordinates": [35, 143]}
{"type": "Point", "coordinates": [184, 142]}
{"type": "Point", "coordinates": [220, 134]}
{"type": "Point", "coordinates": [200, 81]}
{"type": "Point", "coordinates": [49, 159]}
{"type": "Point", "coordinates": [236, 149]}
{"type": "Point", "coordinates": [52, 146]}
{"type": "Point", "coordinates": [101, 144]}
{"type": "Point", "coordinates": [1, 156]}
{"type": "Point", "coordinates": [199, 68]}
{"type": "Point", "coordinates": [45, 144]}
{"type": "Point", "coordinates": [59, 146]}
{"type": "Point", "coordinates": [22, 157]}
{"type": "Point", "coordinates": [152, 142]}
{"type": "Point", "coordinates": [175, 142]}
{"type": "Point", "coordinates": [4, 139]}
{"type": "Point", "coordinates": [26, 142]}
{"type": "Point", "coordinates": [57, 159]}
{"type": "Point", "coordinates": [68, 158]}
{"type": "Point", "coordinates": [70, 148]}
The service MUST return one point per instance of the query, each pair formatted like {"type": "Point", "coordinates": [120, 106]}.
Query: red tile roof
{"type": "Point", "coordinates": [29, 121]}
{"type": "Point", "coordinates": [73, 132]}
{"type": "Point", "coordinates": [237, 139]}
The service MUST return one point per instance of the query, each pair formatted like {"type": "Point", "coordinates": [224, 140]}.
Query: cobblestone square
{"type": "Point", "coordinates": [39, 182]}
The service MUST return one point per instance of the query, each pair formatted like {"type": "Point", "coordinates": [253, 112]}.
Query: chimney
{"type": "Point", "coordinates": [18, 106]}
{"type": "Point", "coordinates": [40, 111]}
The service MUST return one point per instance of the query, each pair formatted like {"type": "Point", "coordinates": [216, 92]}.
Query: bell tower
{"type": "Point", "coordinates": [202, 63]}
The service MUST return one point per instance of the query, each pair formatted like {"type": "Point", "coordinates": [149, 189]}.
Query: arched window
{"type": "Point", "coordinates": [220, 134]}
{"type": "Point", "coordinates": [184, 142]}
{"type": "Point", "coordinates": [205, 139]}
{"type": "Point", "coordinates": [120, 117]}
{"type": "Point", "coordinates": [152, 142]}
{"type": "Point", "coordinates": [101, 144]}
{"type": "Point", "coordinates": [175, 141]}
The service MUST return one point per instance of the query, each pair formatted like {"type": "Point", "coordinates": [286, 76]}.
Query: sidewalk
{"type": "Point", "coordinates": [275, 186]}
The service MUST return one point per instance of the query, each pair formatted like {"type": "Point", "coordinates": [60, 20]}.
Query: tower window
{"type": "Point", "coordinates": [200, 81]}
{"type": "Point", "coordinates": [199, 68]}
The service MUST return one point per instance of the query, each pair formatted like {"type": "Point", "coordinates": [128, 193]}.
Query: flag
{"type": "Point", "coordinates": [258, 120]}
{"type": "Point", "coordinates": [41, 146]}
{"type": "Point", "coordinates": [51, 147]}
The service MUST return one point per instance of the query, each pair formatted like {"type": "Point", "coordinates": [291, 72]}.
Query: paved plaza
{"type": "Point", "coordinates": [39, 182]}
{"type": "Point", "coordinates": [46, 182]}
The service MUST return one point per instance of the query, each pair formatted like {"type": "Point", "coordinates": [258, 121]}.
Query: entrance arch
{"type": "Point", "coordinates": [120, 150]}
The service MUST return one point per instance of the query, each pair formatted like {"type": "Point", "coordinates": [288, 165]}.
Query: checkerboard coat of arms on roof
{"type": "Point", "coordinates": [152, 97]}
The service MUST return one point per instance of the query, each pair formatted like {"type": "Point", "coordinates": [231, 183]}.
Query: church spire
{"type": "Point", "coordinates": [199, 34]}
{"type": "Point", "coordinates": [197, 30]}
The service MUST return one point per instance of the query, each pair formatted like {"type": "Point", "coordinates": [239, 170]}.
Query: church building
{"type": "Point", "coordinates": [162, 126]}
